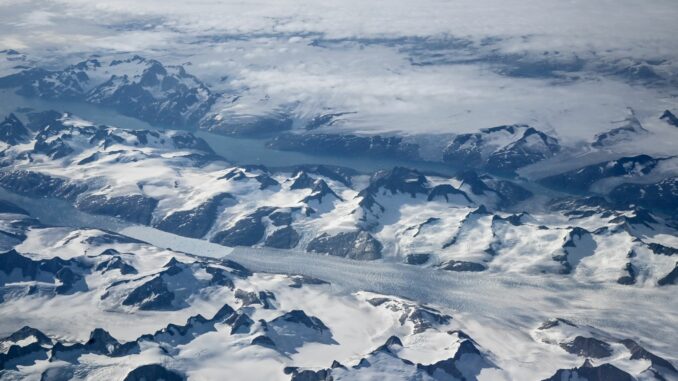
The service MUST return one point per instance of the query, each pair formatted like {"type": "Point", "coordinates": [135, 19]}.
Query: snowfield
{"type": "Point", "coordinates": [468, 190]}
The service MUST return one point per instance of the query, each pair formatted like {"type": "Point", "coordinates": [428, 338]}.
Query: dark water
{"type": "Point", "coordinates": [237, 150]}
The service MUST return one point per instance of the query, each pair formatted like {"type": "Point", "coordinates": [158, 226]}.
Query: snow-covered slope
{"type": "Point", "coordinates": [173, 181]}
{"type": "Point", "coordinates": [200, 317]}
{"type": "Point", "coordinates": [134, 86]}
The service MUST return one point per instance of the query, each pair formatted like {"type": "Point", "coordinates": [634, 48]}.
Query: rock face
{"type": "Point", "coordinates": [251, 125]}
{"type": "Point", "coordinates": [354, 245]}
{"type": "Point", "coordinates": [12, 131]}
{"type": "Point", "coordinates": [417, 259]}
{"type": "Point", "coordinates": [467, 362]}
{"type": "Point", "coordinates": [138, 87]}
{"type": "Point", "coordinates": [245, 232]}
{"type": "Point", "coordinates": [152, 295]}
{"type": "Point", "coordinates": [194, 223]}
{"type": "Point", "coordinates": [133, 208]}
{"type": "Point", "coordinates": [581, 179]}
{"type": "Point", "coordinates": [587, 347]}
{"type": "Point", "coordinates": [398, 180]}
{"type": "Point", "coordinates": [447, 191]}
{"type": "Point", "coordinates": [35, 184]}
{"type": "Point", "coordinates": [320, 192]}
{"type": "Point", "coordinates": [64, 274]}
{"type": "Point", "coordinates": [629, 130]}
{"type": "Point", "coordinates": [463, 266]}
{"type": "Point", "coordinates": [669, 118]}
{"type": "Point", "coordinates": [283, 238]}
{"type": "Point", "coordinates": [377, 146]}
{"type": "Point", "coordinates": [501, 149]}
{"type": "Point", "coordinates": [604, 372]}
{"type": "Point", "coordinates": [295, 328]}
{"type": "Point", "coordinates": [638, 352]}
{"type": "Point", "coordinates": [153, 372]}
{"type": "Point", "coordinates": [670, 278]}
{"type": "Point", "coordinates": [661, 195]}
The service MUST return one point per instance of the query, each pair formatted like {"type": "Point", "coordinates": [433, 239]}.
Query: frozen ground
{"type": "Point", "coordinates": [488, 305]}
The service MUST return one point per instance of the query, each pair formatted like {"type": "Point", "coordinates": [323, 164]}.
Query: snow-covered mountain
{"type": "Point", "coordinates": [469, 222]}
{"type": "Point", "coordinates": [501, 149]}
{"type": "Point", "coordinates": [196, 317]}
{"type": "Point", "coordinates": [134, 86]}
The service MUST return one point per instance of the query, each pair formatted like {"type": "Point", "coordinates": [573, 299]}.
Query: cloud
{"type": "Point", "coordinates": [437, 66]}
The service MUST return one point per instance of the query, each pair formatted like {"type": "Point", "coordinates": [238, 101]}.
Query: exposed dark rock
{"type": "Point", "coordinates": [252, 126]}
{"type": "Point", "coordinates": [247, 231]}
{"type": "Point", "coordinates": [556, 322]}
{"type": "Point", "coordinates": [417, 259]}
{"type": "Point", "coordinates": [313, 375]}
{"type": "Point", "coordinates": [61, 373]}
{"type": "Point", "coordinates": [263, 341]}
{"type": "Point", "coordinates": [240, 323]}
{"type": "Point", "coordinates": [587, 347]}
{"type": "Point", "coordinates": [340, 174]}
{"type": "Point", "coordinates": [474, 181]}
{"type": "Point", "coordinates": [22, 356]}
{"type": "Point", "coordinates": [670, 278]}
{"type": "Point", "coordinates": [26, 332]}
{"type": "Point", "coordinates": [194, 223]}
{"type": "Point", "coordinates": [629, 131]}
{"type": "Point", "coordinates": [324, 120]}
{"type": "Point", "coordinates": [220, 277]}
{"type": "Point", "coordinates": [422, 317]}
{"type": "Point", "coordinates": [301, 181]}
{"type": "Point", "coordinates": [109, 238]}
{"type": "Point", "coordinates": [247, 297]}
{"type": "Point", "coordinates": [116, 263]}
{"type": "Point", "coordinates": [236, 268]}
{"type": "Point", "coordinates": [320, 191]}
{"type": "Point", "coordinates": [662, 250]}
{"type": "Point", "coordinates": [299, 280]}
{"type": "Point", "coordinates": [294, 329]}
{"type": "Point", "coordinates": [156, 94]}
{"type": "Point", "coordinates": [300, 317]}
{"type": "Point", "coordinates": [669, 118]}
{"type": "Point", "coordinates": [283, 238]}
{"type": "Point", "coordinates": [355, 245]}
{"type": "Point", "coordinates": [604, 372]}
{"type": "Point", "coordinates": [510, 193]}
{"type": "Point", "coordinates": [450, 366]}
{"type": "Point", "coordinates": [445, 191]}
{"type": "Point", "coordinates": [152, 295]}
{"type": "Point", "coordinates": [281, 218]}
{"type": "Point", "coordinates": [580, 179]}
{"type": "Point", "coordinates": [376, 146]}
{"type": "Point", "coordinates": [36, 184]}
{"type": "Point", "coordinates": [463, 266]}
{"type": "Point", "coordinates": [266, 181]}
{"type": "Point", "coordinates": [42, 119]}
{"type": "Point", "coordinates": [12, 131]}
{"type": "Point", "coordinates": [630, 277]}
{"type": "Point", "coordinates": [133, 208]}
{"type": "Point", "coordinates": [153, 372]}
{"type": "Point", "coordinates": [398, 180]}
{"type": "Point", "coordinates": [478, 149]}
{"type": "Point", "coordinates": [532, 147]}
{"type": "Point", "coordinates": [578, 244]}
{"type": "Point", "coordinates": [640, 217]}
{"type": "Point", "coordinates": [390, 342]}
{"type": "Point", "coordinates": [8, 207]}
{"type": "Point", "coordinates": [17, 267]}
{"type": "Point", "coordinates": [638, 353]}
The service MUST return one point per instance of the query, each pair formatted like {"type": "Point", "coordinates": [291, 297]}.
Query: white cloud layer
{"type": "Point", "coordinates": [309, 57]}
